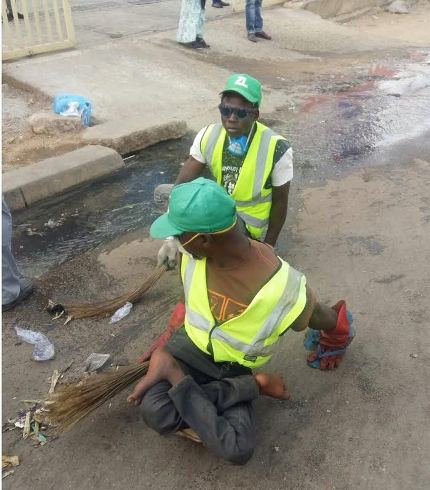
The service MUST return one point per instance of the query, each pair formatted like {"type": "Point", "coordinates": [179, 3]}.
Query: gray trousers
{"type": "Point", "coordinates": [10, 273]}
{"type": "Point", "coordinates": [220, 411]}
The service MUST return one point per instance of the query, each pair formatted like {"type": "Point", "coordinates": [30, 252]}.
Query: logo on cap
{"type": "Point", "coordinates": [241, 81]}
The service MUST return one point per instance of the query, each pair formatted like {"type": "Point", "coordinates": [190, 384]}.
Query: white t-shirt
{"type": "Point", "coordinates": [282, 170]}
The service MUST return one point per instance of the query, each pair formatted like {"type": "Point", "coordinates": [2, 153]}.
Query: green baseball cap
{"type": "Point", "coordinates": [199, 206]}
{"type": "Point", "coordinates": [246, 86]}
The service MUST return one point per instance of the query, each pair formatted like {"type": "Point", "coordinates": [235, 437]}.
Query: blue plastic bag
{"type": "Point", "coordinates": [69, 104]}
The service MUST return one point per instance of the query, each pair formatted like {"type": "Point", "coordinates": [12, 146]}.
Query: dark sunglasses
{"type": "Point", "coordinates": [227, 111]}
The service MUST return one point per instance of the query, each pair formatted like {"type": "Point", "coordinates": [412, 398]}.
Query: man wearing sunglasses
{"type": "Point", "coordinates": [240, 298]}
{"type": "Point", "coordinates": [251, 162]}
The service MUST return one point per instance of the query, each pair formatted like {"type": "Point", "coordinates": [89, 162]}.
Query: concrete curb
{"type": "Point", "coordinates": [24, 186]}
{"type": "Point", "coordinates": [132, 135]}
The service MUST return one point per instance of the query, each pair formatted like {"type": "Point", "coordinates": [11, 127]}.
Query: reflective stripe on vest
{"type": "Point", "coordinates": [252, 221]}
{"type": "Point", "coordinates": [260, 329]}
{"type": "Point", "coordinates": [257, 166]}
{"type": "Point", "coordinates": [213, 135]}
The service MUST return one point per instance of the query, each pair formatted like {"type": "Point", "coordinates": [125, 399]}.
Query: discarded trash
{"type": "Point", "coordinates": [125, 159]}
{"type": "Point", "coordinates": [27, 426]}
{"type": "Point", "coordinates": [31, 232]}
{"type": "Point", "coordinates": [31, 421]}
{"type": "Point", "coordinates": [95, 361]}
{"type": "Point", "coordinates": [414, 356]}
{"type": "Point", "coordinates": [121, 312]}
{"type": "Point", "coordinates": [41, 438]}
{"type": "Point", "coordinates": [73, 105]}
{"type": "Point", "coordinates": [127, 206]}
{"type": "Point", "coordinates": [52, 223]}
{"type": "Point", "coordinates": [54, 380]}
{"type": "Point", "coordinates": [43, 349]}
{"type": "Point", "coordinates": [398, 7]}
{"type": "Point", "coordinates": [7, 473]}
{"type": "Point", "coordinates": [7, 461]}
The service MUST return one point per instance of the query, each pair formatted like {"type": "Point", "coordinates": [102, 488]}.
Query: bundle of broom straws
{"type": "Point", "coordinates": [71, 402]}
{"type": "Point", "coordinates": [104, 308]}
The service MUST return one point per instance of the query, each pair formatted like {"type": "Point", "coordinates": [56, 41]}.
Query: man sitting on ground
{"type": "Point", "coordinates": [239, 299]}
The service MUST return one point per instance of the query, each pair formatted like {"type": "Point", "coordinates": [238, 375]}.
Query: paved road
{"type": "Point", "coordinates": [358, 226]}
{"type": "Point", "coordinates": [99, 21]}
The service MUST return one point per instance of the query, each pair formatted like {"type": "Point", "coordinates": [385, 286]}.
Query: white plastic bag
{"type": "Point", "coordinates": [95, 361]}
{"type": "Point", "coordinates": [43, 348]}
{"type": "Point", "coordinates": [121, 312]}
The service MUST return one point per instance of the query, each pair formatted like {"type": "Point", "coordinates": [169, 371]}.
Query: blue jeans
{"type": "Point", "coordinates": [254, 20]}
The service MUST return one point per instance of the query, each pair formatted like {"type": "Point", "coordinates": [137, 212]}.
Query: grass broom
{"type": "Point", "coordinates": [71, 402]}
{"type": "Point", "coordinates": [104, 308]}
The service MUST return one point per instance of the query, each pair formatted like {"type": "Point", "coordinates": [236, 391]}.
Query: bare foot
{"type": "Point", "coordinates": [162, 366]}
{"type": "Point", "coordinates": [272, 385]}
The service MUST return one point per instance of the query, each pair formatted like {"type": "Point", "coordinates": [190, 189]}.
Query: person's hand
{"type": "Point", "coordinates": [167, 253]}
{"type": "Point", "coordinates": [162, 366]}
{"type": "Point", "coordinates": [272, 385]}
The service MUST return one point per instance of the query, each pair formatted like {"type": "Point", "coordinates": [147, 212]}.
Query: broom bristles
{"type": "Point", "coordinates": [74, 401]}
{"type": "Point", "coordinates": [106, 308]}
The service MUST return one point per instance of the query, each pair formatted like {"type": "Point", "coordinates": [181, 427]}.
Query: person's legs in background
{"type": "Point", "coordinates": [14, 287]}
{"type": "Point", "coordinates": [201, 43]}
{"type": "Point", "coordinates": [250, 20]}
{"type": "Point", "coordinates": [190, 20]}
{"type": "Point", "coordinates": [219, 4]}
{"type": "Point", "coordinates": [258, 23]}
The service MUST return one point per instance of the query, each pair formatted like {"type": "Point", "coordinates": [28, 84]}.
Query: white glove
{"type": "Point", "coordinates": [162, 193]}
{"type": "Point", "coordinates": [167, 253]}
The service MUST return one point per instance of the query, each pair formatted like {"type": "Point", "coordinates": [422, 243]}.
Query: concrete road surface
{"type": "Point", "coordinates": [358, 226]}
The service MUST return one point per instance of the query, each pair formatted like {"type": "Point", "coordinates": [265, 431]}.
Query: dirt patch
{"type": "Point", "coordinates": [412, 28]}
{"type": "Point", "coordinates": [20, 145]}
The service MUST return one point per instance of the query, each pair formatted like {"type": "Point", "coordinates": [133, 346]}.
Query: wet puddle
{"type": "Point", "coordinates": [63, 227]}
{"type": "Point", "coordinates": [342, 124]}
{"type": "Point", "coordinates": [347, 122]}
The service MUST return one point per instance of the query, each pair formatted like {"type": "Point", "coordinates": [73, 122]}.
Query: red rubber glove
{"type": "Point", "coordinates": [176, 321]}
{"type": "Point", "coordinates": [336, 340]}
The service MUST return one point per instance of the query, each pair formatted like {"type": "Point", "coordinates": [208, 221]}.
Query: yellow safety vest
{"type": "Point", "coordinates": [253, 201]}
{"type": "Point", "coordinates": [249, 338]}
